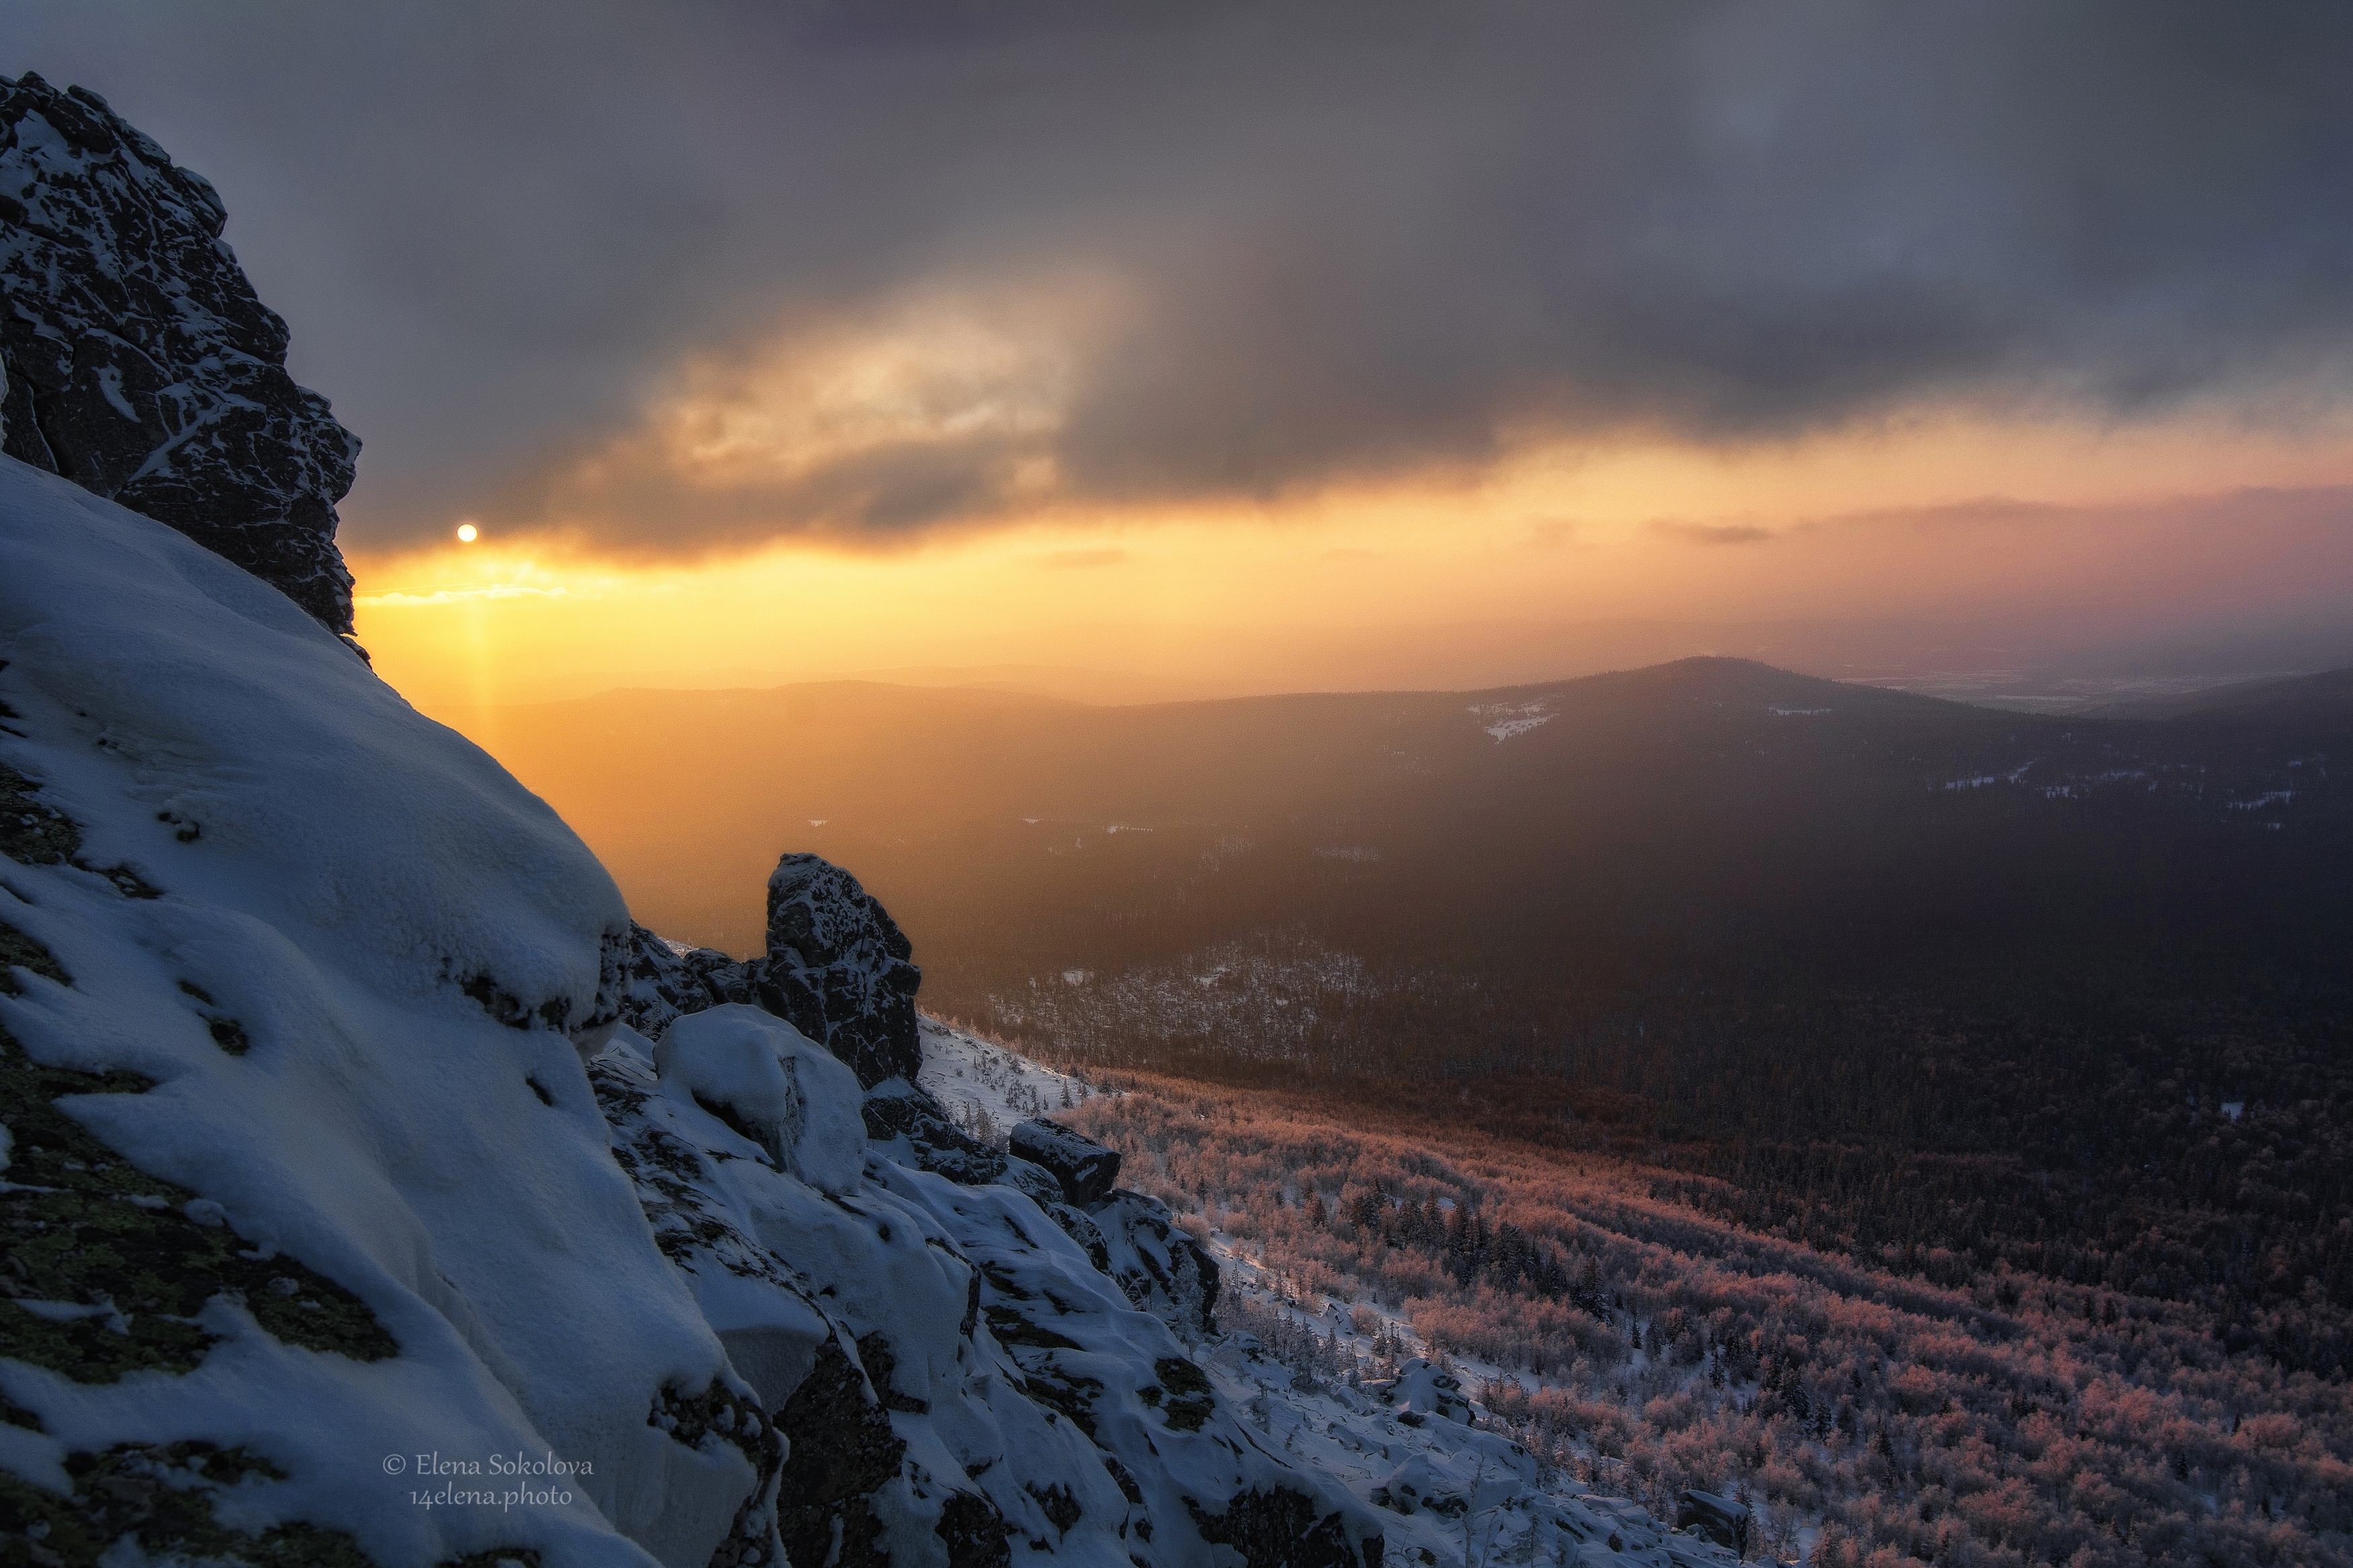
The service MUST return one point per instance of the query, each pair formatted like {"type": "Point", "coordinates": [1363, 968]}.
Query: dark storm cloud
{"type": "Point", "coordinates": [1352, 240]}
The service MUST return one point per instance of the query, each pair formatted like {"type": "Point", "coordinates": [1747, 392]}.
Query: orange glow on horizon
{"type": "Point", "coordinates": [1951, 518]}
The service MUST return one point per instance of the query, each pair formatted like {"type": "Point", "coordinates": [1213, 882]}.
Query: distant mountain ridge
{"type": "Point", "coordinates": [2324, 700]}
{"type": "Point", "coordinates": [1704, 795]}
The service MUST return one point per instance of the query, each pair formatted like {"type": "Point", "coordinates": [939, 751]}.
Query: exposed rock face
{"type": "Point", "coordinates": [1281, 1528]}
{"type": "Point", "coordinates": [837, 969]}
{"type": "Point", "coordinates": [1086, 1170]}
{"type": "Point", "coordinates": [140, 365]}
{"type": "Point", "coordinates": [666, 983]}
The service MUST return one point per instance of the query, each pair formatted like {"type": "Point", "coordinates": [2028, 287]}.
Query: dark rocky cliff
{"type": "Point", "coordinates": [140, 364]}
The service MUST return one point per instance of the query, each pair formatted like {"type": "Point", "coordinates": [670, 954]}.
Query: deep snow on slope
{"type": "Point", "coordinates": [304, 1166]}
{"type": "Point", "coordinates": [336, 1190]}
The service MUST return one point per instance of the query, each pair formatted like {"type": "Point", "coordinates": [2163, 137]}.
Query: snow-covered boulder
{"type": "Point", "coordinates": [906, 1124]}
{"type": "Point", "coordinates": [1450, 1483]}
{"type": "Point", "coordinates": [1420, 1390]}
{"type": "Point", "coordinates": [765, 1078]}
{"type": "Point", "coordinates": [1086, 1170]}
{"type": "Point", "coordinates": [138, 362]}
{"type": "Point", "coordinates": [1163, 1270]}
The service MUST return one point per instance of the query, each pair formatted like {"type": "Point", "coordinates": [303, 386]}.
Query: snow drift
{"type": "Point", "coordinates": [316, 972]}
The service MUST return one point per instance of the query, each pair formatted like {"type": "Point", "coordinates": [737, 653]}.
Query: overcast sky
{"type": "Point", "coordinates": [1132, 252]}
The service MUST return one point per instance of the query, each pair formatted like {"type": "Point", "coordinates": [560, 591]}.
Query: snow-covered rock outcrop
{"type": "Point", "coordinates": [841, 969]}
{"type": "Point", "coordinates": [138, 362]}
{"type": "Point", "coordinates": [1399, 1431]}
{"type": "Point", "coordinates": [1420, 1391]}
{"type": "Point", "coordinates": [1131, 1238]}
{"type": "Point", "coordinates": [955, 1379]}
{"type": "Point", "coordinates": [762, 1078]}
{"type": "Point", "coordinates": [1086, 1170]}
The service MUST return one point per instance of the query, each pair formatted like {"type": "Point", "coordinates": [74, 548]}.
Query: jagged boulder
{"type": "Point", "coordinates": [139, 362]}
{"type": "Point", "coordinates": [913, 1129]}
{"type": "Point", "coordinates": [1086, 1170]}
{"type": "Point", "coordinates": [668, 980]}
{"type": "Point", "coordinates": [838, 968]}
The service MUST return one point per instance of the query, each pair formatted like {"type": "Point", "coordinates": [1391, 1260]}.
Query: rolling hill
{"type": "Point", "coordinates": [1569, 850]}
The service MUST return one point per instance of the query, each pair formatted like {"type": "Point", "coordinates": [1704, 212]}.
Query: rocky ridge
{"type": "Point", "coordinates": [139, 364]}
{"type": "Point", "coordinates": [839, 969]}
{"type": "Point", "coordinates": [954, 1375]}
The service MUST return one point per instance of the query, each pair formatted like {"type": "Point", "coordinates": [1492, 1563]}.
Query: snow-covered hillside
{"type": "Point", "coordinates": [346, 1221]}
{"type": "Point", "coordinates": [1410, 1439]}
{"type": "Point", "coordinates": [989, 1090]}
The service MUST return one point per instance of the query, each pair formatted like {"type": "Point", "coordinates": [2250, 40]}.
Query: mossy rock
{"type": "Point", "coordinates": [18, 951]}
{"type": "Point", "coordinates": [107, 1267]}
{"type": "Point", "coordinates": [1193, 1403]}
{"type": "Point", "coordinates": [158, 1498]}
{"type": "Point", "coordinates": [32, 833]}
